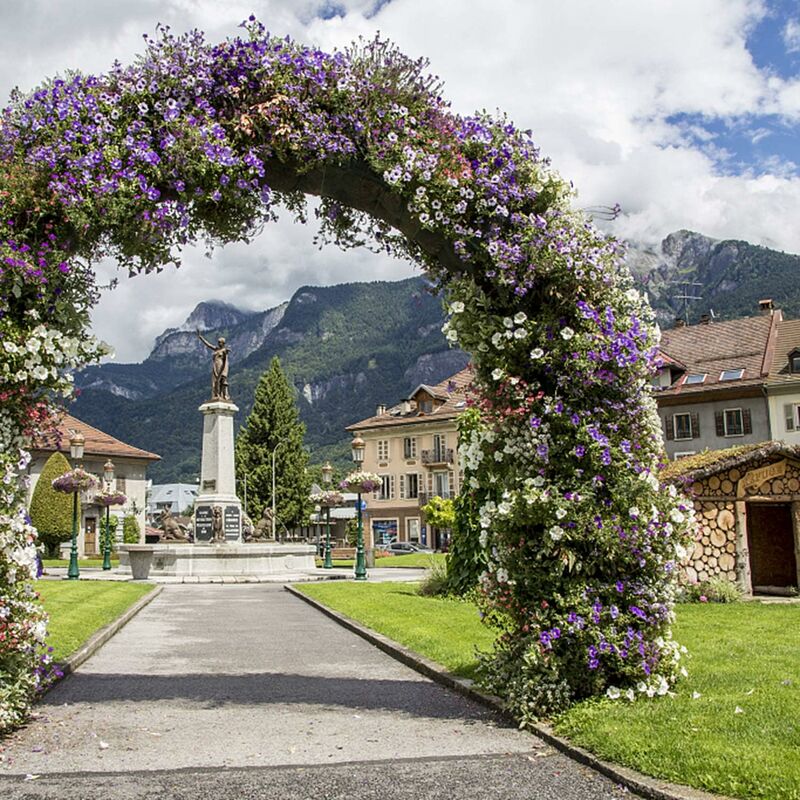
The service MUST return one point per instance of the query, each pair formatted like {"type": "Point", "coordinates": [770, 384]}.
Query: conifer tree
{"type": "Point", "coordinates": [274, 422]}
{"type": "Point", "coordinates": [51, 511]}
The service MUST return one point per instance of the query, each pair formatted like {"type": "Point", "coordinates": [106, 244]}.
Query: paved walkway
{"type": "Point", "coordinates": [245, 691]}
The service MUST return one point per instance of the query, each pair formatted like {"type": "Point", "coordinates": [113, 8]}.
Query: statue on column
{"type": "Point", "coordinates": [219, 368]}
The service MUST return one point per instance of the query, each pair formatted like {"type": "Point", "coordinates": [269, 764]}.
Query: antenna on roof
{"type": "Point", "coordinates": [686, 297]}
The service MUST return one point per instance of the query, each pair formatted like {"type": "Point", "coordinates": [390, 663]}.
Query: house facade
{"type": "Point", "coordinates": [130, 476]}
{"type": "Point", "coordinates": [783, 384]}
{"type": "Point", "coordinates": [711, 389]}
{"type": "Point", "coordinates": [413, 447]}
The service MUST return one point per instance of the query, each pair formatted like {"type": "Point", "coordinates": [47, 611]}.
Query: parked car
{"type": "Point", "coordinates": [398, 548]}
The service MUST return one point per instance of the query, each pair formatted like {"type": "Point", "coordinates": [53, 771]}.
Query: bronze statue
{"type": "Point", "coordinates": [217, 530]}
{"type": "Point", "coordinates": [219, 368]}
{"type": "Point", "coordinates": [264, 528]}
{"type": "Point", "coordinates": [172, 530]}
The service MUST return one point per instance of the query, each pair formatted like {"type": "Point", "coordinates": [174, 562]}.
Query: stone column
{"type": "Point", "coordinates": [217, 475]}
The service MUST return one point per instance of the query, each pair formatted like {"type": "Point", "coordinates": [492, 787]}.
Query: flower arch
{"type": "Point", "coordinates": [204, 142]}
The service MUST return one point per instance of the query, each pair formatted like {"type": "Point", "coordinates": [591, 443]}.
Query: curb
{"type": "Point", "coordinates": [97, 640]}
{"type": "Point", "coordinates": [643, 785]}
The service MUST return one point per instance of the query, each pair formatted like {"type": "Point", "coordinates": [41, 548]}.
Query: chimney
{"type": "Point", "coordinates": [380, 411]}
{"type": "Point", "coordinates": [705, 319]}
{"type": "Point", "coordinates": [680, 322]}
{"type": "Point", "coordinates": [766, 306]}
{"type": "Point", "coordinates": [405, 407]}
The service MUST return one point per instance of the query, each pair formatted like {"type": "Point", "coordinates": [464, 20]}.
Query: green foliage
{"type": "Point", "coordinates": [439, 512]}
{"type": "Point", "coordinates": [130, 530]}
{"type": "Point", "coordinates": [51, 511]}
{"type": "Point", "coordinates": [113, 522]}
{"type": "Point", "coordinates": [273, 426]}
{"type": "Point", "coordinates": [714, 590]}
{"type": "Point", "coordinates": [467, 557]}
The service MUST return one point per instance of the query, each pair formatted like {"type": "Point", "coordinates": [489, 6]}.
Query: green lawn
{"type": "Point", "coordinates": [446, 631]}
{"type": "Point", "coordinates": [744, 656]}
{"type": "Point", "coordinates": [82, 562]}
{"type": "Point", "coordinates": [424, 560]}
{"type": "Point", "coordinates": [79, 608]}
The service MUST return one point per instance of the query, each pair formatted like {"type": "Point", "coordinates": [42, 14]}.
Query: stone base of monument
{"type": "Point", "coordinates": [226, 559]}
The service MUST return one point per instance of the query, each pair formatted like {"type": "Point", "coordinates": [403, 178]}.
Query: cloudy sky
{"type": "Point", "coordinates": [683, 111]}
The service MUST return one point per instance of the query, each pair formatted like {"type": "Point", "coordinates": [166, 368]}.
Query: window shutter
{"type": "Point", "coordinates": [788, 415]}
{"type": "Point", "coordinates": [669, 427]}
{"type": "Point", "coordinates": [719, 421]}
{"type": "Point", "coordinates": [392, 494]}
{"type": "Point", "coordinates": [452, 481]}
{"type": "Point", "coordinates": [402, 487]}
{"type": "Point", "coordinates": [747, 424]}
{"type": "Point", "coordinates": [695, 426]}
{"type": "Point", "coordinates": [430, 484]}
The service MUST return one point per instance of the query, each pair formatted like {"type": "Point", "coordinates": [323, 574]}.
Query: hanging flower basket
{"type": "Point", "coordinates": [328, 499]}
{"type": "Point", "coordinates": [362, 482]}
{"type": "Point", "coordinates": [110, 499]}
{"type": "Point", "coordinates": [74, 481]}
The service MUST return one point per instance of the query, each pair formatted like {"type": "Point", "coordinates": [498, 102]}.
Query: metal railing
{"type": "Point", "coordinates": [444, 455]}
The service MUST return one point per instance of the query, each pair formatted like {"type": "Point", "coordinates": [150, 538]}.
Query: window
{"type": "Point", "coordinates": [791, 414]}
{"type": "Point", "coordinates": [425, 406]}
{"type": "Point", "coordinates": [387, 488]}
{"type": "Point", "coordinates": [734, 424]}
{"type": "Point", "coordinates": [731, 374]}
{"type": "Point", "coordinates": [439, 447]}
{"type": "Point", "coordinates": [694, 378]}
{"type": "Point", "coordinates": [410, 447]}
{"type": "Point", "coordinates": [383, 449]}
{"type": "Point", "coordinates": [412, 485]}
{"type": "Point", "coordinates": [120, 483]}
{"type": "Point", "coordinates": [683, 426]}
{"type": "Point", "coordinates": [412, 529]}
{"type": "Point", "coordinates": [441, 484]}
{"type": "Point", "coordinates": [794, 361]}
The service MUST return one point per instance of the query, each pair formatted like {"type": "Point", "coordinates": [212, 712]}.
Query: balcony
{"type": "Point", "coordinates": [443, 455]}
{"type": "Point", "coordinates": [424, 497]}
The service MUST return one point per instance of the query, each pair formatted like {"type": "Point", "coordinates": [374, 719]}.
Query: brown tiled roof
{"type": "Point", "coordinates": [788, 339]}
{"type": "Point", "coordinates": [710, 349]}
{"type": "Point", "coordinates": [454, 389]}
{"type": "Point", "coordinates": [97, 442]}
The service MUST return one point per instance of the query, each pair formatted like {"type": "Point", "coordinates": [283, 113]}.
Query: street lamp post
{"type": "Point", "coordinates": [274, 512]}
{"type": "Point", "coordinates": [327, 473]}
{"type": "Point", "coordinates": [76, 443]}
{"type": "Point", "coordinates": [357, 447]}
{"type": "Point", "coordinates": [108, 475]}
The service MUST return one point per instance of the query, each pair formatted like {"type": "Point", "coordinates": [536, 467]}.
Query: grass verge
{"type": "Point", "coordinates": [421, 560]}
{"type": "Point", "coordinates": [446, 631]}
{"type": "Point", "coordinates": [78, 609]}
{"type": "Point", "coordinates": [743, 656]}
{"type": "Point", "coordinates": [82, 562]}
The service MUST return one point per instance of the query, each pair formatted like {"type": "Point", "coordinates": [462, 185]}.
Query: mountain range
{"type": "Point", "coordinates": [350, 347]}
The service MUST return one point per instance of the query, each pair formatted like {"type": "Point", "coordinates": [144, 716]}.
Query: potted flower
{"type": "Point", "coordinates": [108, 499]}
{"type": "Point", "coordinates": [362, 482]}
{"type": "Point", "coordinates": [75, 481]}
{"type": "Point", "coordinates": [329, 499]}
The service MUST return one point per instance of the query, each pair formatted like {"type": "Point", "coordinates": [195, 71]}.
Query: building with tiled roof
{"type": "Point", "coordinates": [783, 384]}
{"type": "Point", "coordinates": [413, 446]}
{"type": "Point", "coordinates": [130, 474]}
{"type": "Point", "coordinates": [711, 389]}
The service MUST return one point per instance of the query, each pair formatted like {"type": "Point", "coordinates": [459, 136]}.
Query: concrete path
{"type": "Point", "coordinates": [244, 691]}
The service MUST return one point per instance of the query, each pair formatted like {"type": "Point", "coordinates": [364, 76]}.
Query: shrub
{"type": "Point", "coordinates": [130, 530]}
{"type": "Point", "coordinates": [714, 590]}
{"type": "Point", "coordinates": [435, 582]}
{"type": "Point", "coordinates": [51, 511]}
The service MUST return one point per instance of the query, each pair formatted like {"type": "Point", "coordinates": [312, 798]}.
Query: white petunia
{"type": "Point", "coordinates": [556, 532]}
{"type": "Point", "coordinates": [520, 317]}
{"type": "Point", "coordinates": [567, 334]}
{"type": "Point", "coordinates": [613, 692]}
{"type": "Point", "coordinates": [457, 307]}
{"type": "Point", "coordinates": [497, 374]}
{"type": "Point", "coordinates": [537, 353]}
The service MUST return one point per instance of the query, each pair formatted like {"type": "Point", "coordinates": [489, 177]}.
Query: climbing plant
{"type": "Point", "coordinates": [199, 142]}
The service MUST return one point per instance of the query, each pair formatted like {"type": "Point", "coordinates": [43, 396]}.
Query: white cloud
{"type": "Point", "coordinates": [791, 35]}
{"type": "Point", "coordinates": [599, 84]}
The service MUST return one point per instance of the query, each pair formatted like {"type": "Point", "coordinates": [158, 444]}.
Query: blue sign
{"type": "Point", "coordinates": [363, 505]}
